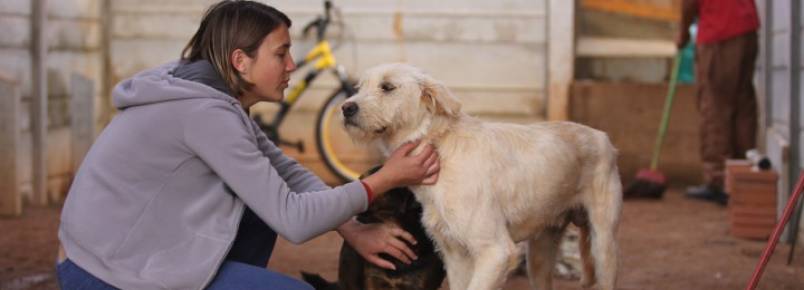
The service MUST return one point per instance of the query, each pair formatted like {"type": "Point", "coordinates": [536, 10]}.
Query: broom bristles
{"type": "Point", "coordinates": [649, 184]}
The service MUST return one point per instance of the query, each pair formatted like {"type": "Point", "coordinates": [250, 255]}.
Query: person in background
{"type": "Point", "coordinates": [725, 55]}
{"type": "Point", "coordinates": [182, 190]}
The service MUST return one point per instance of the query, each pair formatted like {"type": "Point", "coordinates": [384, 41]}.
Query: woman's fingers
{"type": "Point", "coordinates": [393, 250]}
{"type": "Point", "coordinates": [397, 246]}
{"type": "Point", "coordinates": [427, 151]}
{"type": "Point", "coordinates": [431, 160]}
{"type": "Point", "coordinates": [431, 164]}
{"type": "Point", "coordinates": [409, 169]}
{"type": "Point", "coordinates": [432, 179]}
{"type": "Point", "coordinates": [404, 249]}
{"type": "Point", "coordinates": [432, 174]}
{"type": "Point", "coordinates": [433, 169]}
{"type": "Point", "coordinates": [397, 232]}
{"type": "Point", "coordinates": [379, 262]}
{"type": "Point", "coordinates": [406, 148]}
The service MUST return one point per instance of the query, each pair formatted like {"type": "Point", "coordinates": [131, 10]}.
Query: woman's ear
{"type": "Point", "coordinates": [240, 61]}
{"type": "Point", "coordinates": [438, 99]}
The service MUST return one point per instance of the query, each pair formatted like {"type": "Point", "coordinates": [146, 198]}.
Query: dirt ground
{"type": "Point", "coordinates": [671, 244]}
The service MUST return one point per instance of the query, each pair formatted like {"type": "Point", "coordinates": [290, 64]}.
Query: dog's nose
{"type": "Point", "coordinates": [349, 109]}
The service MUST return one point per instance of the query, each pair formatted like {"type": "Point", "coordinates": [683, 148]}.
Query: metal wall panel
{"type": "Point", "coordinates": [781, 82]}
{"type": "Point", "coordinates": [489, 52]}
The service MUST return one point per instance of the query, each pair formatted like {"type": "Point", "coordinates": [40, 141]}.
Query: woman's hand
{"type": "Point", "coordinates": [404, 169]}
{"type": "Point", "coordinates": [369, 240]}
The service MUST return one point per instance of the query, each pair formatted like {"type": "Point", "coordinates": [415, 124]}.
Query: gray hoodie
{"type": "Point", "coordinates": [158, 198]}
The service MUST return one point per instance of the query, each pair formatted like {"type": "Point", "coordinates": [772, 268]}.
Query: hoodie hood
{"type": "Point", "coordinates": [171, 82]}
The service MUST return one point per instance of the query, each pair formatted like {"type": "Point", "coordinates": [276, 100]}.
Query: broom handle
{"type": "Point", "coordinates": [777, 232]}
{"type": "Point", "coordinates": [668, 105]}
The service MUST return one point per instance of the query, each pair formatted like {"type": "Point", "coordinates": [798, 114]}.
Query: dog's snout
{"type": "Point", "coordinates": [349, 109]}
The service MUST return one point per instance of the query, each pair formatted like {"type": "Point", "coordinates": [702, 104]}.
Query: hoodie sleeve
{"type": "Point", "coordinates": [297, 177]}
{"type": "Point", "coordinates": [218, 135]}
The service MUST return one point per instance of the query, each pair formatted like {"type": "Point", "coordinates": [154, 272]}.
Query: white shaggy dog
{"type": "Point", "coordinates": [499, 184]}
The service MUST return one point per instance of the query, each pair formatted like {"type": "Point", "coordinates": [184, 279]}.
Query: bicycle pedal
{"type": "Point", "coordinates": [298, 145]}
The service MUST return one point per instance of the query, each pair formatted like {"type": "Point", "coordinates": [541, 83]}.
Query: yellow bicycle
{"type": "Point", "coordinates": [342, 157]}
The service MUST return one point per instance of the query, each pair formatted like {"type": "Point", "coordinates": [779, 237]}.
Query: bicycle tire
{"type": "Point", "coordinates": [346, 161]}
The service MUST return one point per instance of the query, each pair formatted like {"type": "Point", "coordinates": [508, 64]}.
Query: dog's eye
{"type": "Point", "coordinates": [387, 87]}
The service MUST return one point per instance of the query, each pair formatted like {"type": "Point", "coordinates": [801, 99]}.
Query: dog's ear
{"type": "Point", "coordinates": [438, 99]}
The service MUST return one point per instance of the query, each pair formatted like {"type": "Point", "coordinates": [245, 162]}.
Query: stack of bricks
{"type": "Point", "coordinates": [752, 201]}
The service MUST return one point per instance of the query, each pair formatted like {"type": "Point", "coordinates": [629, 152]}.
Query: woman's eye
{"type": "Point", "coordinates": [387, 87]}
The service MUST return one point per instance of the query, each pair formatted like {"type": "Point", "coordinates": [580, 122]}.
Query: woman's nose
{"type": "Point", "coordinates": [290, 65]}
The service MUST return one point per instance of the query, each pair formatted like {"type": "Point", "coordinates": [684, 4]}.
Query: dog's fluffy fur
{"type": "Point", "coordinates": [499, 183]}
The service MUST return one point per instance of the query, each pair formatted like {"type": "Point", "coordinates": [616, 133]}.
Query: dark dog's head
{"type": "Point", "coordinates": [398, 205]}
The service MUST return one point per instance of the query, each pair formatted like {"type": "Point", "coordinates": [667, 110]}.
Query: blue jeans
{"type": "Point", "coordinates": [244, 267]}
{"type": "Point", "coordinates": [72, 277]}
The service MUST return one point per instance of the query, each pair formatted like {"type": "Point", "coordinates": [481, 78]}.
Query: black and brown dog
{"type": "Point", "coordinates": [397, 206]}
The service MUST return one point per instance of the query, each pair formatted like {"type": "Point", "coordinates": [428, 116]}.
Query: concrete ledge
{"type": "Point", "coordinates": [624, 47]}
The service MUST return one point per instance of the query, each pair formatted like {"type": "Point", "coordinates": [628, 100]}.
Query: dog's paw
{"type": "Point", "coordinates": [586, 282]}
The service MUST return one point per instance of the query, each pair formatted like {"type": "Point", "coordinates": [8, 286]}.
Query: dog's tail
{"type": "Point", "coordinates": [318, 282]}
{"type": "Point", "coordinates": [604, 214]}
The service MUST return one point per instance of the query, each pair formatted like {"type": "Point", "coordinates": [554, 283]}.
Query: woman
{"type": "Point", "coordinates": [183, 191]}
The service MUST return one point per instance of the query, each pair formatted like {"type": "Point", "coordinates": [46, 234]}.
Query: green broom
{"type": "Point", "coordinates": [651, 183]}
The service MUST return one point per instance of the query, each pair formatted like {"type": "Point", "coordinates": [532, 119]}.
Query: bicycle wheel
{"type": "Point", "coordinates": [343, 157]}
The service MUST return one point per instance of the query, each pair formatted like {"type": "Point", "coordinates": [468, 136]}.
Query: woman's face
{"type": "Point", "coordinates": [269, 70]}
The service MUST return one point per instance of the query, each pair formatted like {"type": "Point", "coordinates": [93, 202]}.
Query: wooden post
{"type": "Point", "coordinates": [560, 57]}
{"type": "Point", "coordinates": [10, 199]}
{"type": "Point", "coordinates": [39, 101]}
{"type": "Point", "coordinates": [82, 118]}
{"type": "Point", "coordinates": [106, 82]}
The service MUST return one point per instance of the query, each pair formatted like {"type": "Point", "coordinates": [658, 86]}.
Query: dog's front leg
{"type": "Point", "coordinates": [459, 266]}
{"type": "Point", "coordinates": [492, 263]}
